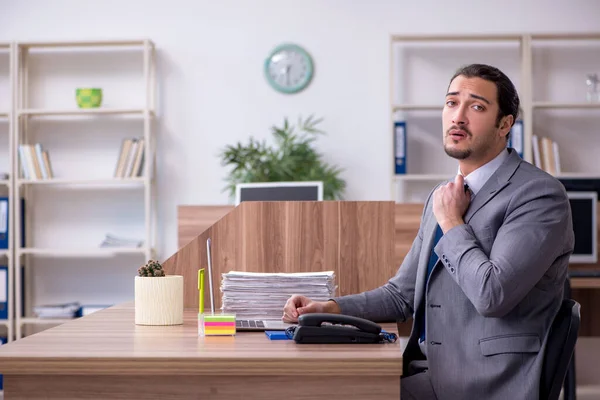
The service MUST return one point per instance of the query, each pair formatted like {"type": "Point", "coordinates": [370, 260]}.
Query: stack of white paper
{"type": "Point", "coordinates": [116, 241]}
{"type": "Point", "coordinates": [254, 295]}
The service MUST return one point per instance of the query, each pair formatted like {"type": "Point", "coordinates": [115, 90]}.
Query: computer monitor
{"type": "Point", "coordinates": [279, 191]}
{"type": "Point", "coordinates": [584, 208]}
{"type": "Point", "coordinates": [581, 184]}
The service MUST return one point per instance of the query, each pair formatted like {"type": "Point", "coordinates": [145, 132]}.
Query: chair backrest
{"type": "Point", "coordinates": [560, 348]}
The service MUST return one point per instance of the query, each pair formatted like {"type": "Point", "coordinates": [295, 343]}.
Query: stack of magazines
{"type": "Point", "coordinates": [116, 241]}
{"type": "Point", "coordinates": [255, 295]}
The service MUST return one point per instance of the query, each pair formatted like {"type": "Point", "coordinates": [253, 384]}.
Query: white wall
{"type": "Point", "coordinates": [212, 90]}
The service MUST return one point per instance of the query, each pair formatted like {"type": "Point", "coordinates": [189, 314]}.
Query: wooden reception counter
{"type": "Point", "coordinates": [106, 356]}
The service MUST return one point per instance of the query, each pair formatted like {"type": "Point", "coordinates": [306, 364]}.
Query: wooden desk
{"type": "Point", "coordinates": [192, 220]}
{"type": "Point", "coordinates": [106, 356]}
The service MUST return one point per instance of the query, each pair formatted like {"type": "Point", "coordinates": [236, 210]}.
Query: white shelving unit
{"type": "Point", "coordinates": [7, 185]}
{"type": "Point", "coordinates": [560, 110]}
{"type": "Point", "coordinates": [420, 70]}
{"type": "Point", "coordinates": [32, 113]}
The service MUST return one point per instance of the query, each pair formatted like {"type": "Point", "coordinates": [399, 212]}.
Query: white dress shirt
{"type": "Point", "coordinates": [479, 177]}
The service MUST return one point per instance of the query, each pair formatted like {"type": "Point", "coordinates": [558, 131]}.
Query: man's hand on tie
{"type": "Point", "coordinates": [450, 202]}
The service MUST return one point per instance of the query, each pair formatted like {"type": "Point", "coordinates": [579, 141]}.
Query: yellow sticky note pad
{"type": "Point", "coordinates": [216, 325]}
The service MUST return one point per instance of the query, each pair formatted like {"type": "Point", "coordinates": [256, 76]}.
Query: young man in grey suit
{"type": "Point", "coordinates": [484, 276]}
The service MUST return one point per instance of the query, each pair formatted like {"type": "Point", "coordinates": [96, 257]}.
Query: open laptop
{"type": "Point", "coordinates": [243, 324]}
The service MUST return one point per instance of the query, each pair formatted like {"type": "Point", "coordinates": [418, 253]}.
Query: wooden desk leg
{"type": "Point", "coordinates": [68, 387]}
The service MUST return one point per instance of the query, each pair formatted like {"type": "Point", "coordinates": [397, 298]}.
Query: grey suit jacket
{"type": "Point", "coordinates": [491, 297]}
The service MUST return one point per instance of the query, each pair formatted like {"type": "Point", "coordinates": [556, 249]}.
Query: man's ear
{"type": "Point", "coordinates": [505, 124]}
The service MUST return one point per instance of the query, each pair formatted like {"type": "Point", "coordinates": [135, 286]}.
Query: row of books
{"type": "Point", "coordinates": [545, 154]}
{"type": "Point", "coordinates": [130, 163]}
{"type": "Point", "coordinates": [35, 162]}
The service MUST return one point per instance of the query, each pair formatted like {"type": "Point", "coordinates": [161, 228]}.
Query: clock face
{"type": "Point", "coordinates": [289, 68]}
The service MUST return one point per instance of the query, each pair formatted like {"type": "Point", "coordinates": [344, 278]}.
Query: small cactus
{"type": "Point", "coordinates": [152, 268]}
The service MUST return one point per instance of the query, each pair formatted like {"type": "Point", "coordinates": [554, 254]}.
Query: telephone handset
{"type": "Point", "coordinates": [337, 328]}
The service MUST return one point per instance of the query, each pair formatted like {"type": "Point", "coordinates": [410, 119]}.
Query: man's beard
{"type": "Point", "coordinates": [458, 154]}
{"type": "Point", "coordinates": [454, 153]}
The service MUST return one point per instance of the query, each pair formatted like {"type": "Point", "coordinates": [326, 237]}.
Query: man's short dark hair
{"type": "Point", "coordinates": [508, 98]}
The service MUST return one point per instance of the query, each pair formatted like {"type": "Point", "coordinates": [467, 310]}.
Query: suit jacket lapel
{"type": "Point", "coordinates": [498, 181]}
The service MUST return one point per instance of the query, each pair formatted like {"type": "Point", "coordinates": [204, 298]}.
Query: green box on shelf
{"type": "Point", "coordinates": [88, 97]}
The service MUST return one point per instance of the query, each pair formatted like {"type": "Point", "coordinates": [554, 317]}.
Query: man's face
{"type": "Point", "coordinates": [469, 119]}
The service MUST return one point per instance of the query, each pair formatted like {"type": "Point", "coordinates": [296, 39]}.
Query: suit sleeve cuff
{"type": "Point", "coordinates": [348, 305]}
{"type": "Point", "coordinates": [455, 242]}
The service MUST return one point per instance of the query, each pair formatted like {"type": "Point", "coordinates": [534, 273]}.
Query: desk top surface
{"type": "Point", "coordinates": [109, 343]}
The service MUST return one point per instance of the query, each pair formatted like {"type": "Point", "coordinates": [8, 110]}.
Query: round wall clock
{"type": "Point", "coordinates": [289, 68]}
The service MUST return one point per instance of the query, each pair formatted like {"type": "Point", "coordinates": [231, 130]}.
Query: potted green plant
{"type": "Point", "coordinates": [291, 158]}
{"type": "Point", "coordinates": [158, 297]}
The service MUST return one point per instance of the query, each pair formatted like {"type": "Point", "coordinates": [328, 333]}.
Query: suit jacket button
{"type": "Point", "coordinates": [452, 269]}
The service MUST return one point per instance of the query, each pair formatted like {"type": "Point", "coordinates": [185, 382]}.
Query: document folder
{"type": "Point", "coordinates": [3, 222]}
{"type": "Point", "coordinates": [400, 147]}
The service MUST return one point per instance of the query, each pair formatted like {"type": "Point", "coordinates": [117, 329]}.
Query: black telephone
{"type": "Point", "coordinates": [336, 328]}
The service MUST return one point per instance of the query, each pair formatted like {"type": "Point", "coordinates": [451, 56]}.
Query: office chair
{"type": "Point", "coordinates": [560, 350]}
{"type": "Point", "coordinates": [569, 387]}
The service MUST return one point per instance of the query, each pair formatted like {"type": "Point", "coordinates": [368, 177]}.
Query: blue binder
{"type": "Point", "coordinates": [4, 222]}
{"type": "Point", "coordinates": [516, 137]}
{"type": "Point", "coordinates": [3, 292]}
{"type": "Point", "coordinates": [400, 147]}
{"type": "Point", "coordinates": [4, 215]}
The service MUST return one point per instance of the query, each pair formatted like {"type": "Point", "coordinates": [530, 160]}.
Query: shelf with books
{"type": "Point", "coordinates": [63, 228]}
{"type": "Point", "coordinates": [552, 73]}
{"type": "Point", "coordinates": [36, 167]}
{"type": "Point", "coordinates": [34, 162]}
{"type": "Point", "coordinates": [6, 187]}
{"type": "Point", "coordinates": [565, 103]}
{"type": "Point", "coordinates": [421, 67]}
{"type": "Point", "coordinates": [564, 142]}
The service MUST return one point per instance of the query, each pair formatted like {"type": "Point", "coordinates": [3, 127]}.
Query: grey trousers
{"type": "Point", "coordinates": [417, 387]}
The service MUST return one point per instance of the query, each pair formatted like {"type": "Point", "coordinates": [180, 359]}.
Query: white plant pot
{"type": "Point", "coordinates": [159, 300]}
